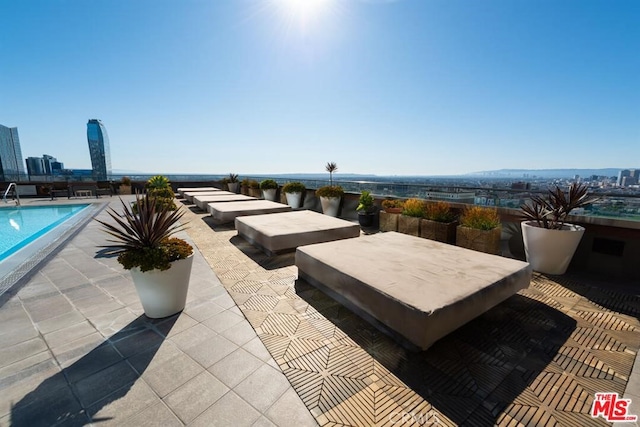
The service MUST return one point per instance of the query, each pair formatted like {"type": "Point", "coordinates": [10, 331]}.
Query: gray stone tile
{"type": "Point", "coordinates": [19, 391]}
{"type": "Point", "coordinates": [230, 410]}
{"type": "Point", "coordinates": [70, 333]}
{"type": "Point", "coordinates": [290, 410]}
{"type": "Point", "coordinates": [96, 360]}
{"type": "Point", "coordinates": [47, 308]}
{"type": "Point", "coordinates": [101, 384]}
{"type": "Point", "coordinates": [263, 387]}
{"type": "Point", "coordinates": [67, 353]}
{"type": "Point", "coordinates": [203, 310]}
{"type": "Point", "coordinates": [172, 374]}
{"type": "Point", "coordinates": [16, 335]}
{"type": "Point", "coordinates": [26, 367]}
{"type": "Point", "coordinates": [193, 336]}
{"type": "Point", "coordinates": [114, 409]}
{"type": "Point", "coordinates": [208, 352]}
{"type": "Point", "coordinates": [109, 324]}
{"type": "Point", "coordinates": [223, 321]}
{"type": "Point", "coordinates": [46, 408]}
{"type": "Point", "coordinates": [235, 367]}
{"type": "Point", "coordinates": [138, 342]}
{"type": "Point", "coordinates": [172, 327]}
{"type": "Point", "coordinates": [194, 397]}
{"type": "Point", "coordinates": [225, 301]}
{"type": "Point", "coordinates": [155, 415]}
{"type": "Point", "coordinates": [21, 351]}
{"type": "Point", "coordinates": [155, 357]}
{"type": "Point", "coordinates": [86, 290]}
{"type": "Point", "coordinates": [257, 348]}
{"type": "Point", "coordinates": [240, 333]}
{"type": "Point", "coordinates": [59, 322]}
{"type": "Point", "coordinates": [37, 289]}
{"type": "Point", "coordinates": [264, 422]}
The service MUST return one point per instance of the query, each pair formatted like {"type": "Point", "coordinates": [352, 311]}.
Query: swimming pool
{"type": "Point", "coordinates": [20, 226]}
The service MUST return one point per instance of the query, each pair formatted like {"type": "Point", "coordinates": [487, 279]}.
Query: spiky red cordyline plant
{"type": "Point", "coordinates": [552, 212]}
{"type": "Point", "coordinates": [146, 229]}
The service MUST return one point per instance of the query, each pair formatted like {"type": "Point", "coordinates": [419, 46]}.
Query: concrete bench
{"type": "Point", "coordinates": [183, 190]}
{"type": "Point", "coordinates": [416, 290]}
{"type": "Point", "coordinates": [189, 195]}
{"type": "Point", "coordinates": [286, 231]}
{"type": "Point", "coordinates": [221, 196]}
{"type": "Point", "coordinates": [228, 211]}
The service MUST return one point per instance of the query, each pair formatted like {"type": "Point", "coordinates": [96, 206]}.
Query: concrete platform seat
{"type": "Point", "coordinates": [220, 196]}
{"type": "Point", "coordinates": [183, 190]}
{"type": "Point", "coordinates": [416, 290]}
{"type": "Point", "coordinates": [224, 212]}
{"type": "Point", "coordinates": [189, 195]}
{"type": "Point", "coordinates": [285, 231]}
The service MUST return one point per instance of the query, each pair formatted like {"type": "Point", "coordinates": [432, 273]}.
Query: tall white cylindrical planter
{"type": "Point", "coordinates": [163, 293]}
{"type": "Point", "coordinates": [330, 205]}
{"type": "Point", "coordinates": [293, 199]}
{"type": "Point", "coordinates": [550, 251]}
{"type": "Point", "coordinates": [233, 187]}
{"type": "Point", "coordinates": [269, 194]}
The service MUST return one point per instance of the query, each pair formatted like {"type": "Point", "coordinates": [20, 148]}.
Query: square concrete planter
{"type": "Point", "coordinates": [487, 241]}
{"type": "Point", "coordinates": [444, 232]}
{"type": "Point", "coordinates": [388, 221]}
{"type": "Point", "coordinates": [409, 225]}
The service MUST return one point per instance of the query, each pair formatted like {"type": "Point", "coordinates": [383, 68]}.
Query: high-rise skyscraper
{"type": "Point", "coordinates": [35, 166]}
{"type": "Point", "coordinates": [11, 164]}
{"type": "Point", "coordinates": [99, 150]}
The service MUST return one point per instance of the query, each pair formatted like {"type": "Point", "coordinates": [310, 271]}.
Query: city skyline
{"type": "Point", "coordinates": [379, 87]}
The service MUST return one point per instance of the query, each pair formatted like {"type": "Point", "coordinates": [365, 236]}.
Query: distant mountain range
{"type": "Point", "coordinates": [547, 173]}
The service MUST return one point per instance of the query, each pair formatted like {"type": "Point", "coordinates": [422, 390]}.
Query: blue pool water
{"type": "Point", "coordinates": [20, 226]}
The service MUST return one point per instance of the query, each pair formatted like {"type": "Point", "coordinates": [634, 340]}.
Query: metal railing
{"type": "Point", "coordinates": [15, 193]}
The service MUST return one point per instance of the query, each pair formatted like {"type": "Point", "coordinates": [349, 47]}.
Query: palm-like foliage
{"type": "Point", "coordinates": [233, 178]}
{"type": "Point", "coordinates": [552, 212]}
{"type": "Point", "coordinates": [145, 229]}
{"type": "Point", "coordinates": [331, 167]}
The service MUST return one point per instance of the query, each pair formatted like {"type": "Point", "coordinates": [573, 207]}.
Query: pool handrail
{"type": "Point", "coordinates": [15, 193]}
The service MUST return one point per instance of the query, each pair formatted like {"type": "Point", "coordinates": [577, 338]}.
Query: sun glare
{"type": "Point", "coordinates": [304, 13]}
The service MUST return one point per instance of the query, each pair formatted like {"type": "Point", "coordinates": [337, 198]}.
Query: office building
{"type": "Point", "coordinates": [11, 166]}
{"type": "Point", "coordinates": [35, 166]}
{"type": "Point", "coordinates": [99, 150]}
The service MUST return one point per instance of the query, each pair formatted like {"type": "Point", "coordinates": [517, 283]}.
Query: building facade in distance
{"type": "Point", "coordinates": [99, 150]}
{"type": "Point", "coordinates": [11, 165]}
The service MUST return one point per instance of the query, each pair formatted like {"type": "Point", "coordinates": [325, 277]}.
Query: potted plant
{"type": "Point", "coordinates": [293, 191]}
{"type": "Point", "coordinates": [366, 210]}
{"type": "Point", "coordinates": [269, 188]}
{"type": "Point", "coordinates": [479, 230]}
{"type": "Point", "coordinates": [394, 206]}
{"type": "Point", "coordinates": [409, 221]}
{"type": "Point", "coordinates": [160, 265]}
{"type": "Point", "coordinates": [244, 185]}
{"type": "Point", "coordinates": [549, 241]}
{"type": "Point", "coordinates": [254, 188]}
{"type": "Point", "coordinates": [125, 185]}
{"type": "Point", "coordinates": [330, 195]}
{"type": "Point", "coordinates": [439, 222]}
{"type": "Point", "coordinates": [232, 183]}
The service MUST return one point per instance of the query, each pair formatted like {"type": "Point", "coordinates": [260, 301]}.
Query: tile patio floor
{"type": "Point", "coordinates": [255, 346]}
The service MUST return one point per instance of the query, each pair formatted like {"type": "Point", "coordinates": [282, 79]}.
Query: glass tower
{"type": "Point", "coordinates": [99, 150]}
{"type": "Point", "coordinates": [11, 164]}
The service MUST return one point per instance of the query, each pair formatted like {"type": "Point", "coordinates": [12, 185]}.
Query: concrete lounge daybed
{"type": "Point", "coordinates": [221, 196]}
{"type": "Point", "coordinates": [189, 195]}
{"type": "Point", "coordinates": [183, 190]}
{"type": "Point", "coordinates": [285, 231]}
{"type": "Point", "coordinates": [228, 211]}
{"type": "Point", "coordinates": [414, 289]}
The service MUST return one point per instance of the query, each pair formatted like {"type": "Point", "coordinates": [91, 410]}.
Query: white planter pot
{"type": "Point", "coordinates": [330, 205]}
{"type": "Point", "coordinates": [269, 194]}
{"type": "Point", "coordinates": [163, 293]}
{"type": "Point", "coordinates": [293, 199]}
{"type": "Point", "coordinates": [550, 251]}
{"type": "Point", "coordinates": [233, 186]}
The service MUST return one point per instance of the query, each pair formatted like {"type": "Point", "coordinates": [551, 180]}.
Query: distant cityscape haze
{"type": "Point", "coordinates": [380, 87]}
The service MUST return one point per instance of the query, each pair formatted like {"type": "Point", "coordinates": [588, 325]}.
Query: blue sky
{"type": "Point", "coordinates": [407, 87]}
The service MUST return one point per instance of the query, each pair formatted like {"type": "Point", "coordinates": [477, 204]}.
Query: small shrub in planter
{"type": "Point", "coordinates": [479, 230]}
{"type": "Point", "coordinates": [439, 222]}
{"type": "Point", "coordinates": [269, 188]}
{"type": "Point", "coordinates": [294, 191]}
{"type": "Point", "coordinates": [254, 188]}
{"type": "Point", "coordinates": [409, 221]}
{"type": "Point", "coordinates": [366, 210]}
{"type": "Point", "coordinates": [330, 191]}
{"type": "Point", "coordinates": [393, 205]}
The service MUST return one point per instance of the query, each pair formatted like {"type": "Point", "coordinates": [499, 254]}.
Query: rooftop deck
{"type": "Point", "coordinates": [256, 346]}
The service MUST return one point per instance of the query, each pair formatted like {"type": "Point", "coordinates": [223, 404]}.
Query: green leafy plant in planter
{"type": "Point", "coordinates": [409, 221]}
{"type": "Point", "coordinates": [479, 230]}
{"type": "Point", "coordinates": [158, 182]}
{"type": "Point", "coordinates": [160, 264]}
{"type": "Point", "coordinates": [392, 210]}
{"type": "Point", "coordinates": [232, 183]}
{"type": "Point", "coordinates": [125, 185]}
{"type": "Point", "coordinates": [393, 205]}
{"type": "Point", "coordinates": [269, 188]}
{"type": "Point", "coordinates": [244, 185]}
{"type": "Point", "coordinates": [439, 222]}
{"type": "Point", "coordinates": [366, 210]}
{"type": "Point", "coordinates": [254, 188]}
{"type": "Point", "coordinates": [549, 241]}
{"type": "Point", "coordinates": [159, 191]}
{"type": "Point", "coordinates": [330, 195]}
{"type": "Point", "coordinates": [294, 191]}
